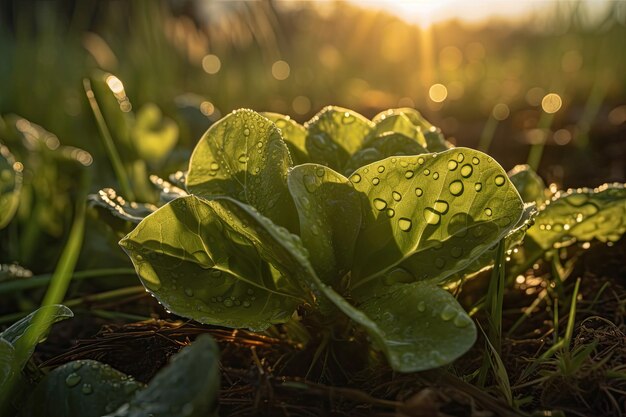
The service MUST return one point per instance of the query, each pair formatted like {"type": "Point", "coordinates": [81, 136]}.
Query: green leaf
{"type": "Point", "coordinates": [10, 375]}
{"type": "Point", "coordinates": [334, 134]}
{"type": "Point", "coordinates": [188, 386]}
{"type": "Point", "coordinates": [213, 261]}
{"type": "Point", "coordinates": [294, 135]}
{"type": "Point", "coordinates": [32, 329]}
{"type": "Point", "coordinates": [429, 216]}
{"type": "Point", "coordinates": [330, 217]}
{"type": "Point", "coordinates": [420, 326]}
{"type": "Point", "coordinates": [244, 157]}
{"type": "Point", "coordinates": [118, 207]}
{"type": "Point", "coordinates": [381, 147]}
{"type": "Point", "coordinates": [153, 135]}
{"type": "Point", "coordinates": [580, 215]}
{"type": "Point", "coordinates": [83, 388]}
{"type": "Point", "coordinates": [10, 185]}
{"type": "Point", "coordinates": [529, 185]}
{"type": "Point", "coordinates": [435, 141]}
{"type": "Point", "coordinates": [399, 123]}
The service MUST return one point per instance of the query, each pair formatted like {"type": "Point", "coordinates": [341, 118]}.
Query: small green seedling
{"type": "Point", "coordinates": [368, 226]}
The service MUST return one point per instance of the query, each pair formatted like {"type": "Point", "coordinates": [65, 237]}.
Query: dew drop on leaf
{"type": "Point", "coordinates": [452, 165]}
{"type": "Point", "coordinates": [461, 321]}
{"type": "Point", "coordinates": [475, 161]}
{"type": "Point", "coordinates": [421, 306]}
{"type": "Point", "coordinates": [391, 212]}
{"type": "Point", "coordinates": [427, 172]}
{"type": "Point", "coordinates": [405, 224]}
{"type": "Point", "coordinates": [72, 379]}
{"type": "Point", "coordinates": [478, 186]}
{"type": "Point", "coordinates": [246, 132]}
{"type": "Point", "coordinates": [381, 168]}
{"type": "Point", "coordinates": [319, 172]}
{"type": "Point", "coordinates": [228, 302]}
{"type": "Point", "coordinates": [440, 262]}
{"type": "Point", "coordinates": [448, 313]}
{"type": "Point", "coordinates": [456, 187]}
{"type": "Point", "coordinates": [456, 252]}
{"type": "Point", "coordinates": [380, 204]}
{"type": "Point", "coordinates": [460, 157]}
{"type": "Point", "coordinates": [419, 192]}
{"type": "Point", "coordinates": [420, 160]}
{"type": "Point", "coordinates": [467, 170]}
{"type": "Point", "coordinates": [499, 180]}
{"type": "Point", "coordinates": [436, 176]}
{"type": "Point", "coordinates": [214, 166]}
{"type": "Point", "coordinates": [488, 212]}
{"type": "Point", "coordinates": [441, 206]}
{"type": "Point", "coordinates": [86, 389]}
{"type": "Point", "coordinates": [409, 174]}
{"type": "Point", "coordinates": [431, 216]}
{"type": "Point", "coordinates": [188, 292]}
{"type": "Point", "coordinates": [355, 178]}
{"type": "Point", "coordinates": [309, 183]}
{"type": "Point", "coordinates": [375, 180]}
{"type": "Point", "coordinates": [396, 195]}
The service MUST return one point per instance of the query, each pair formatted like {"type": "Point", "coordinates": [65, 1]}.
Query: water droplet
{"type": "Point", "coordinates": [475, 161]}
{"type": "Point", "coordinates": [421, 306]}
{"type": "Point", "coordinates": [188, 292]}
{"type": "Point", "coordinates": [448, 313]}
{"type": "Point", "coordinates": [72, 379]}
{"type": "Point", "coordinates": [396, 195]}
{"type": "Point", "coordinates": [420, 160]}
{"type": "Point", "coordinates": [478, 186]}
{"type": "Point", "coordinates": [488, 212]}
{"type": "Point", "coordinates": [419, 192]}
{"type": "Point", "coordinates": [259, 144]}
{"type": "Point", "coordinates": [246, 132]}
{"type": "Point", "coordinates": [461, 321]}
{"type": "Point", "coordinates": [436, 176]}
{"type": "Point", "coordinates": [243, 158]}
{"type": "Point", "coordinates": [387, 316]}
{"type": "Point", "coordinates": [460, 157]}
{"type": "Point", "coordinates": [456, 187]}
{"type": "Point", "coordinates": [441, 206]}
{"type": "Point", "coordinates": [427, 172]}
{"type": "Point", "coordinates": [440, 262]}
{"type": "Point", "coordinates": [375, 180]}
{"type": "Point", "coordinates": [77, 365]}
{"type": "Point", "coordinates": [315, 230]}
{"type": "Point", "coordinates": [309, 183]}
{"type": "Point", "coordinates": [466, 170]}
{"type": "Point", "coordinates": [456, 252]}
{"type": "Point", "coordinates": [431, 216]}
{"type": "Point", "coordinates": [228, 302]}
{"type": "Point", "coordinates": [452, 165]}
{"type": "Point", "coordinates": [380, 204]}
{"type": "Point", "coordinates": [404, 224]}
{"type": "Point", "coordinates": [499, 180]}
{"type": "Point", "coordinates": [87, 389]}
{"type": "Point", "coordinates": [214, 166]}
{"type": "Point", "coordinates": [399, 275]}
{"type": "Point", "coordinates": [381, 168]}
{"type": "Point", "coordinates": [391, 212]}
{"type": "Point", "coordinates": [355, 178]}
{"type": "Point", "coordinates": [409, 174]}
{"type": "Point", "coordinates": [319, 172]}
{"type": "Point", "coordinates": [246, 304]}
{"type": "Point", "coordinates": [408, 358]}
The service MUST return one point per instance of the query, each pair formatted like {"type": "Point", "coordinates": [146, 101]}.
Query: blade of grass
{"type": "Point", "coordinates": [44, 279]}
{"type": "Point", "coordinates": [109, 144]}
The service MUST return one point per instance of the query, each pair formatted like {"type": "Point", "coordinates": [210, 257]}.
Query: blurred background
{"type": "Point", "coordinates": [495, 75]}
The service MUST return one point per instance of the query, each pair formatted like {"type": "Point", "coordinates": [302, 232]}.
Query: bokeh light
{"type": "Point", "coordinates": [438, 93]}
{"type": "Point", "coordinates": [281, 70]}
{"type": "Point", "coordinates": [501, 111]}
{"type": "Point", "coordinates": [551, 103]}
{"type": "Point", "coordinates": [211, 64]}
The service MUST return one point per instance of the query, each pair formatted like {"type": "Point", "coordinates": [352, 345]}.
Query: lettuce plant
{"type": "Point", "coordinates": [367, 224]}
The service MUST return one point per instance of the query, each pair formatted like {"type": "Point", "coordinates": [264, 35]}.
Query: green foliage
{"type": "Point", "coordinates": [529, 185]}
{"type": "Point", "coordinates": [374, 247]}
{"type": "Point", "coordinates": [82, 388]}
{"type": "Point", "coordinates": [188, 386]}
{"type": "Point", "coordinates": [579, 215]}
{"type": "Point", "coordinates": [10, 185]}
{"type": "Point", "coordinates": [154, 136]}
